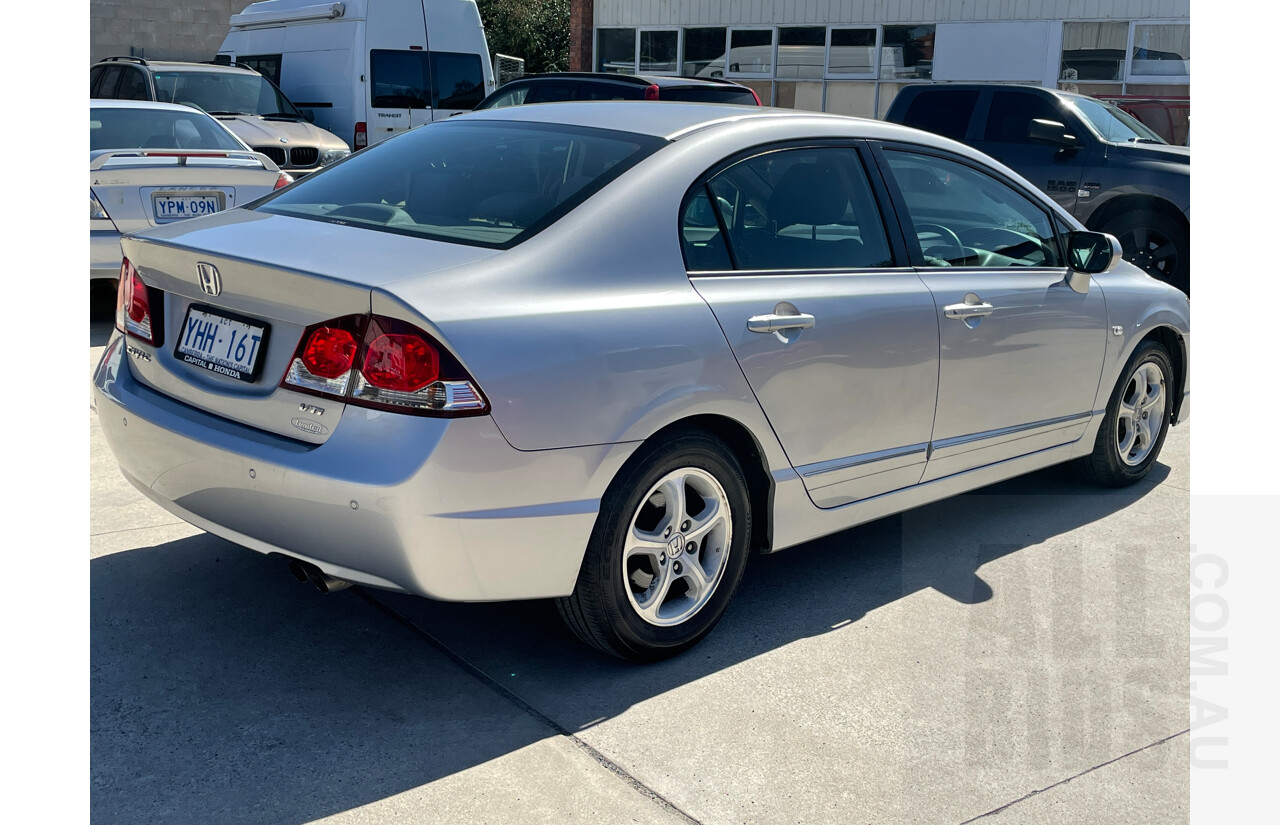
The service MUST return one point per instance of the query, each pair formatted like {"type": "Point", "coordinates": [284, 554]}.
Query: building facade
{"type": "Point", "coordinates": [159, 29]}
{"type": "Point", "coordinates": [853, 56]}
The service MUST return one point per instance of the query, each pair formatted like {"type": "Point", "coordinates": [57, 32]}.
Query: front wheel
{"type": "Point", "coordinates": [667, 552]}
{"type": "Point", "coordinates": [1137, 420]}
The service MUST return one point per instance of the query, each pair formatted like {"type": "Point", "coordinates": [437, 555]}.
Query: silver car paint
{"type": "Point", "coordinates": [589, 338]}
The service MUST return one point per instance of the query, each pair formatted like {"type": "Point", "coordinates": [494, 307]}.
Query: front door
{"type": "Point", "coordinates": [836, 336]}
{"type": "Point", "coordinates": [1020, 352]}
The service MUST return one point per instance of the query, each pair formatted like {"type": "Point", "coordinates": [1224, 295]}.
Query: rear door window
{"type": "Point", "coordinates": [457, 81]}
{"type": "Point", "coordinates": [809, 208]}
{"type": "Point", "coordinates": [133, 86]}
{"type": "Point", "coordinates": [943, 112]}
{"type": "Point", "coordinates": [110, 80]}
{"type": "Point", "coordinates": [1011, 114]}
{"type": "Point", "coordinates": [399, 79]}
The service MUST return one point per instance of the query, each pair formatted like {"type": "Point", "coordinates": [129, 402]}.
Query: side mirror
{"type": "Point", "coordinates": [1090, 253]}
{"type": "Point", "coordinates": [1051, 132]}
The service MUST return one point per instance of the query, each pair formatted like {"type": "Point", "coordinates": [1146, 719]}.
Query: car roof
{"type": "Point", "coordinates": [634, 79]}
{"type": "Point", "coordinates": [176, 65]}
{"type": "Point", "coordinates": [671, 120]}
{"type": "Point", "coordinates": [105, 103]}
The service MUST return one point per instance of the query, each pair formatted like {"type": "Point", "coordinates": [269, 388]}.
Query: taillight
{"type": "Point", "coordinates": [96, 212]}
{"type": "Point", "coordinates": [396, 366]}
{"type": "Point", "coordinates": [281, 182]}
{"type": "Point", "coordinates": [756, 96]}
{"type": "Point", "coordinates": [651, 92]}
{"type": "Point", "coordinates": [362, 136]}
{"type": "Point", "coordinates": [133, 305]}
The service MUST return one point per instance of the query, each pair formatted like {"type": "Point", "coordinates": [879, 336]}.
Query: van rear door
{"type": "Point", "coordinates": [399, 91]}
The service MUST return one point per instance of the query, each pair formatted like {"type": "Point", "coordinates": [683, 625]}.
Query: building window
{"type": "Point", "coordinates": [616, 51]}
{"type": "Point", "coordinates": [751, 52]}
{"type": "Point", "coordinates": [801, 52]}
{"type": "Point", "coordinates": [659, 51]}
{"type": "Point", "coordinates": [1093, 51]}
{"type": "Point", "coordinates": [907, 52]}
{"type": "Point", "coordinates": [704, 52]}
{"type": "Point", "coordinates": [853, 53]}
{"type": "Point", "coordinates": [1161, 51]}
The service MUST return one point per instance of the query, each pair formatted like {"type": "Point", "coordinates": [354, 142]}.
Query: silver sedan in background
{"type": "Point", "coordinates": [156, 163]}
{"type": "Point", "coordinates": [604, 352]}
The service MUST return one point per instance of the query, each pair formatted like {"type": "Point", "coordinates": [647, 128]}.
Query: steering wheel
{"type": "Point", "coordinates": [952, 238]}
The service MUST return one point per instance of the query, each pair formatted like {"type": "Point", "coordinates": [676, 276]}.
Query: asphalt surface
{"type": "Point", "coordinates": [1017, 654]}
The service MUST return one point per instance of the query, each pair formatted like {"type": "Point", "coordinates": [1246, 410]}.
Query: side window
{"type": "Point", "coordinates": [552, 92]}
{"type": "Point", "coordinates": [133, 86]}
{"type": "Point", "coordinates": [703, 243]}
{"type": "Point", "coordinates": [801, 209]}
{"type": "Point", "coordinates": [267, 65]}
{"type": "Point", "coordinates": [944, 112]}
{"type": "Point", "coordinates": [457, 80]}
{"type": "Point", "coordinates": [398, 80]}
{"type": "Point", "coordinates": [509, 97]}
{"type": "Point", "coordinates": [963, 217]}
{"type": "Point", "coordinates": [110, 79]}
{"type": "Point", "coordinates": [1011, 114]}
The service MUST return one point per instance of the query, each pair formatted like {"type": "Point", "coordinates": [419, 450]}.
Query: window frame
{"type": "Point", "coordinates": [880, 200]}
{"type": "Point", "coordinates": [643, 30]}
{"type": "Point", "coordinates": [770, 75]}
{"type": "Point", "coordinates": [597, 64]}
{"type": "Point", "coordinates": [915, 253]}
{"type": "Point", "coordinates": [873, 74]}
{"type": "Point", "coordinates": [1152, 79]}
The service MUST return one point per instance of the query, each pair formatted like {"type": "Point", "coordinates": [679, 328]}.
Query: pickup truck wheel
{"type": "Point", "coordinates": [1157, 243]}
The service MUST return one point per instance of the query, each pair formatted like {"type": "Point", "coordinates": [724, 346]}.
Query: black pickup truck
{"type": "Point", "coordinates": [1101, 164]}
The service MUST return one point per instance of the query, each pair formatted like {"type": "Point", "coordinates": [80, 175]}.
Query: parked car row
{"type": "Point", "coordinates": [604, 351]}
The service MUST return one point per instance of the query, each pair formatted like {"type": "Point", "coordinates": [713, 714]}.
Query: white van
{"type": "Point", "coordinates": [367, 69]}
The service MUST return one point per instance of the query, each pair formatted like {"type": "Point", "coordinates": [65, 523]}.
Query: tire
{"type": "Point", "coordinates": [1130, 437]}
{"type": "Point", "coordinates": [1157, 243]}
{"type": "Point", "coordinates": [652, 586]}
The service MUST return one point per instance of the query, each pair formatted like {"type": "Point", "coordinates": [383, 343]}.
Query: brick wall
{"type": "Point", "coordinates": [581, 13]}
{"type": "Point", "coordinates": [159, 29]}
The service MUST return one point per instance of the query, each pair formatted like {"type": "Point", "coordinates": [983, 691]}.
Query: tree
{"type": "Point", "coordinates": [537, 30]}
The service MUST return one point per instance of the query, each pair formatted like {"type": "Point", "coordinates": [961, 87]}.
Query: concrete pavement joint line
{"type": "Point", "coordinates": [133, 529]}
{"type": "Point", "coordinates": [497, 687]}
{"type": "Point", "coordinates": [1004, 807]}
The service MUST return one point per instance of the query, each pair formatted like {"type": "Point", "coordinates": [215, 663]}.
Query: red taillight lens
{"type": "Point", "coordinates": [329, 352]}
{"type": "Point", "coordinates": [284, 180]}
{"type": "Point", "coordinates": [651, 92]}
{"type": "Point", "coordinates": [756, 96]}
{"type": "Point", "coordinates": [396, 367]}
{"type": "Point", "coordinates": [362, 136]}
{"type": "Point", "coordinates": [133, 305]}
{"type": "Point", "coordinates": [400, 362]}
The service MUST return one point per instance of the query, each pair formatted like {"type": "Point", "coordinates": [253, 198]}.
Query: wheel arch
{"type": "Point", "coordinates": [1176, 346]}
{"type": "Point", "coordinates": [1113, 208]}
{"type": "Point", "coordinates": [745, 448]}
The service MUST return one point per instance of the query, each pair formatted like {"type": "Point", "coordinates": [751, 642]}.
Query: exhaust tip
{"type": "Point", "coordinates": [299, 572]}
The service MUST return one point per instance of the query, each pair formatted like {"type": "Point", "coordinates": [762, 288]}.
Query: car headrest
{"type": "Point", "coordinates": [808, 194]}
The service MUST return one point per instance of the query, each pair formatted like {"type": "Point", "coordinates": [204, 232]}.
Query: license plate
{"type": "Point", "coordinates": [228, 346]}
{"type": "Point", "coordinates": [175, 207]}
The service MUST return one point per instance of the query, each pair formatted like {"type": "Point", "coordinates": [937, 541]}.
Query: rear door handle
{"type": "Point", "coordinates": [773, 323]}
{"type": "Point", "coordinates": [965, 311]}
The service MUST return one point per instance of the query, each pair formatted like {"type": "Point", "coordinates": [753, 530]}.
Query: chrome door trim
{"type": "Point", "coordinates": [820, 467]}
{"type": "Point", "coordinates": [947, 446]}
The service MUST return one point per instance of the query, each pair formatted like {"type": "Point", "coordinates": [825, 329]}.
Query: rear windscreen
{"type": "Point", "coordinates": [157, 129]}
{"type": "Point", "coordinates": [478, 182]}
{"type": "Point", "coordinates": [708, 94]}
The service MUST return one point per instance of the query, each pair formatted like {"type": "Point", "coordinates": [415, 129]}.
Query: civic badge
{"type": "Point", "coordinates": [210, 280]}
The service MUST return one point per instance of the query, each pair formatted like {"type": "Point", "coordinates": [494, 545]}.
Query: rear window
{"type": "Point", "coordinates": [157, 129]}
{"type": "Point", "coordinates": [708, 94]}
{"type": "Point", "coordinates": [945, 113]}
{"type": "Point", "coordinates": [482, 183]}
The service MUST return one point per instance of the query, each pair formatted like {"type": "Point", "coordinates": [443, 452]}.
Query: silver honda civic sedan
{"type": "Point", "coordinates": [605, 352]}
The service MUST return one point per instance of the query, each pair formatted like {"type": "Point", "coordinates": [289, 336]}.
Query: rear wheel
{"type": "Point", "coordinates": [1157, 243]}
{"type": "Point", "coordinates": [667, 553]}
{"type": "Point", "coordinates": [1137, 420]}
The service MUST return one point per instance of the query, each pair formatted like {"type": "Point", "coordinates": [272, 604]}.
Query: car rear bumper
{"type": "Point", "coordinates": [104, 254]}
{"type": "Point", "coordinates": [444, 508]}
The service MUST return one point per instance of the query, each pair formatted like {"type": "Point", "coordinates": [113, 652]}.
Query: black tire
{"type": "Point", "coordinates": [1107, 465]}
{"type": "Point", "coordinates": [600, 612]}
{"type": "Point", "coordinates": [1156, 242]}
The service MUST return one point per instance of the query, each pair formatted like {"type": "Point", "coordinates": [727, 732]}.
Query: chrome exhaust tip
{"type": "Point", "coordinates": [307, 572]}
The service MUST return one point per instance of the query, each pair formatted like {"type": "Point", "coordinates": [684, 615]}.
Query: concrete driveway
{"type": "Point", "coordinates": [1013, 655]}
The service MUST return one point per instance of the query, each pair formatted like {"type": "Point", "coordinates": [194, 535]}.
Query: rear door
{"type": "Point", "coordinates": [457, 83]}
{"type": "Point", "coordinates": [1021, 352]}
{"type": "Point", "coordinates": [835, 333]}
{"type": "Point", "coordinates": [399, 91]}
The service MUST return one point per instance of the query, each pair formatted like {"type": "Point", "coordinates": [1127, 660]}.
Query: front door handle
{"type": "Point", "coordinates": [964, 312]}
{"type": "Point", "coordinates": [773, 323]}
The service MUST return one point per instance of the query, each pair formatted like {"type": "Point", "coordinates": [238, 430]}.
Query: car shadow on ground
{"type": "Point", "coordinates": [225, 692]}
